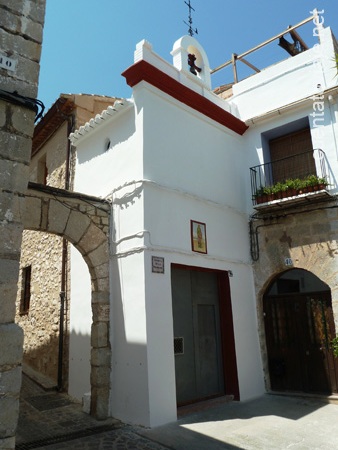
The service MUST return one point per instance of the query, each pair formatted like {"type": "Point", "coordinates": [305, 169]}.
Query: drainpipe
{"type": "Point", "coordinates": [70, 120]}
{"type": "Point", "coordinates": [60, 365]}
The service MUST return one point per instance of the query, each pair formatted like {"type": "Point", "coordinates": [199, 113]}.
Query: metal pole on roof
{"type": "Point", "coordinates": [242, 55]}
{"type": "Point", "coordinates": [234, 67]}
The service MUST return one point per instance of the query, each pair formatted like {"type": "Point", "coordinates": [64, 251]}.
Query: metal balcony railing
{"type": "Point", "coordinates": [289, 176]}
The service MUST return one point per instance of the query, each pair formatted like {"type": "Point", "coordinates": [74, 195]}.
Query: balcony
{"type": "Point", "coordinates": [297, 179]}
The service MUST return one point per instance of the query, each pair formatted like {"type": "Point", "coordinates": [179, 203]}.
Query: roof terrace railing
{"type": "Point", "coordinates": [235, 57]}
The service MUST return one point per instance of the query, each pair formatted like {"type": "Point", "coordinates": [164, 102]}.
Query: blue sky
{"type": "Point", "coordinates": [88, 44]}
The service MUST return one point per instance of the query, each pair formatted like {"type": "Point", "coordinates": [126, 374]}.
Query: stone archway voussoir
{"type": "Point", "coordinates": [77, 225]}
{"type": "Point", "coordinates": [58, 215]}
{"type": "Point", "coordinates": [31, 214]}
{"type": "Point", "coordinates": [91, 240]}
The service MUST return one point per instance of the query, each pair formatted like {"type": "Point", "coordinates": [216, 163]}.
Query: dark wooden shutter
{"type": "Point", "coordinates": [291, 156]}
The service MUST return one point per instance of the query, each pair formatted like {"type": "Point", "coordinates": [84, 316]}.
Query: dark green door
{"type": "Point", "coordinates": [197, 335]}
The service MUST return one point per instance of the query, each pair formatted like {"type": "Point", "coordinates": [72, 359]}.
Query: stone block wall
{"type": "Point", "coordinates": [20, 37]}
{"type": "Point", "coordinates": [41, 322]}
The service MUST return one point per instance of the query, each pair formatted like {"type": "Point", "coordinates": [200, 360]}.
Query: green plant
{"type": "Point", "coordinates": [334, 345]}
{"type": "Point", "coordinates": [259, 192]}
{"type": "Point", "coordinates": [279, 187]}
{"type": "Point", "coordinates": [290, 183]}
{"type": "Point", "coordinates": [294, 184]}
{"type": "Point", "coordinates": [323, 180]}
{"type": "Point", "coordinates": [311, 180]}
{"type": "Point", "coordinates": [264, 190]}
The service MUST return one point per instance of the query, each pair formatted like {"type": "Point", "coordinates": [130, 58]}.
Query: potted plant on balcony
{"type": "Point", "coordinates": [279, 190]}
{"type": "Point", "coordinates": [312, 183]}
{"type": "Point", "coordinates": [322, 183]}
{"type": "Point", "coordinates": [264, 194]}
{"type": "Point", "coordinates": [293, 186]}
{"type": "Point", "coordinates": [259, 196]}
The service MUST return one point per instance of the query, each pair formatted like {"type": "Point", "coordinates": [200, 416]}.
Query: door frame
{"type": "Point", "coordinates": [228, 348]}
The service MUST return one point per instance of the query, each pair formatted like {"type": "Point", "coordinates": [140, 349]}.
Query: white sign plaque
{"type": "Point", "coordinates": [7, 63]}
{"type": "Point", "coordinates": [157, 264]}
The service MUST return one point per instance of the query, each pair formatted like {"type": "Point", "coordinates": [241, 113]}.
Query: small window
{"type": "Point", "coordinates": [42, 170]}
{"type": "Point", "coordinates": [178, 345]}
{"type": "Point", "coordinates": [287, 286]}
{"type": "Point", "coordinates": [26, 290]}
{"type": "Point", "coordinates": [107, 145]}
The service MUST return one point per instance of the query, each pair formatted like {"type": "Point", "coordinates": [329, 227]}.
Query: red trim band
{"type": "Point", "coordinates": [143, 71]}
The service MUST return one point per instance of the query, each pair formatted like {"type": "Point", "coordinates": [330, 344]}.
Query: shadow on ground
{"type": "Point", "coordinates": [52, 421]}
{"type": "Point", "coordinates": [269, 422]}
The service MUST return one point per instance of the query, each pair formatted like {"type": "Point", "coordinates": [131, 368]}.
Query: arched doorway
{"type": "Point", "coordinates": [84, 222]}
{"type": "Point", "coordinates": [299, 328]}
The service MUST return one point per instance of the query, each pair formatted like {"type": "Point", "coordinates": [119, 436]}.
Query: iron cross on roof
{"type": "Point", "coordinates": [191, 30]}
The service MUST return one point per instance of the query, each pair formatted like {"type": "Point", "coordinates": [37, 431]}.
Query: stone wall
{"type": "Point", "coordinates": [41, 322]}
{"type": "Point", "coordinates": [43, 252]}
{"type": "Point", "coordinates": [21, 37]}
{"type": "Point", "coordinates": [309, 238]}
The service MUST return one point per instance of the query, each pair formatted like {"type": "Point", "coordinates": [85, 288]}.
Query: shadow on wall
{"type": "Point", "coordinates": [79, 365]}
{"type": "Point", "coordinates": [42, 362]}
{"type": "Point", "coordinates": [41, 355]}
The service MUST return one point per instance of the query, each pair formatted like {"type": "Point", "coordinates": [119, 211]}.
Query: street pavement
{"type": "Point", "coordinates": [51, 421]}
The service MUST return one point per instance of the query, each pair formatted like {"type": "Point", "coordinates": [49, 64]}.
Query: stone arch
{"type": "Point", "coordinates": [83, 221]}
{"type": "Point", "coordinates": [298, 331]}
{"type": "Point", "coordinates": [300, 244]}
{"type": "Point", "coordinates": [324, 272]}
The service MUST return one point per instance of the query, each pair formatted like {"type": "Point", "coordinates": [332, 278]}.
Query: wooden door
{"type": "Point", "coordinates": [197, 336]}
{"type": "Point", "coordinates": [299, 328]}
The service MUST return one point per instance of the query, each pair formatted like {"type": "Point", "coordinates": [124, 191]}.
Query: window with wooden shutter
{"type": "Point", "coordinates": [297, 145]}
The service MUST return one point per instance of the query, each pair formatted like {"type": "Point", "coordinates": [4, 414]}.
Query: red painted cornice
{"type": "Point", "coordinates": [143, 71]}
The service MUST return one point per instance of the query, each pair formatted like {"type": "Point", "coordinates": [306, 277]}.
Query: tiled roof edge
{"type": "Point", "coordinates": [99, 119]}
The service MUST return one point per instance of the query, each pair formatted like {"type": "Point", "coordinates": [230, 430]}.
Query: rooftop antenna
{"type": "Point", "coordinates": [191, 30]}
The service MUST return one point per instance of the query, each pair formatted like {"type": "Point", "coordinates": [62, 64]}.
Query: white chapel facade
{"type": "Point", "coordinates": [187, 287]}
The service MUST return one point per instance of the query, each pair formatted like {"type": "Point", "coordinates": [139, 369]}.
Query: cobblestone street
{"type": "Point", "coordinates": [51, 421]}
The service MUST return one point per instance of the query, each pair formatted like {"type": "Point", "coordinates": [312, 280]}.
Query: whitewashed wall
{"type": "Point", "coordinates": [79, 327]}
{"type": "Point", "coordinates": [196, 169]}
{"type": "Point", "coordinates": [291, 80]}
